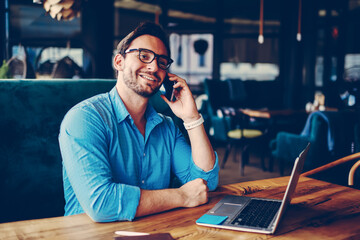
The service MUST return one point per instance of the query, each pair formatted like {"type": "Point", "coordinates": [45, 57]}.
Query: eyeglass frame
{"type": "Point", "coordinates": [169, 60]}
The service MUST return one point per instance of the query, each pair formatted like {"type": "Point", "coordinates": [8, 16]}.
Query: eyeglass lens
{"type": "Point", "coordinates": [147, 56]}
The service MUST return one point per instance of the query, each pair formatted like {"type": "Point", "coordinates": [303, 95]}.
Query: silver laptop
{"type": "Point", "coordinates": [250, 214]}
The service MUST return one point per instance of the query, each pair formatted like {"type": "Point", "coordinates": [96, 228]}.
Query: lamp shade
{"type": "Point", "coordinates": [62, 9]}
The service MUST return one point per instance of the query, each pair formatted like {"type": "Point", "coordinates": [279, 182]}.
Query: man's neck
{"type": "Point", "coordinates": [135, 104]}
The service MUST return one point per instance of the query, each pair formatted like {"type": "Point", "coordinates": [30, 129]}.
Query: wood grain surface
{"type": "Point", "coordinates": [319, 210]}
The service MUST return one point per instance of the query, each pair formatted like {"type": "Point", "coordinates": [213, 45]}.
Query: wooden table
{"type": "Point", "coordinates": [265, 113]}
{"type": "Point", "coordinates": [319, 210]}
{"type": "Point", "coordinates": [271, 113]}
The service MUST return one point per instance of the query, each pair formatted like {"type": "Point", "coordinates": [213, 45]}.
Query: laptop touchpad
{"type": "Point", "coordinates": [228, 209]}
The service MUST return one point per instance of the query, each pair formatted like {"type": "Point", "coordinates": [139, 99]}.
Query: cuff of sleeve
{"type": "Point", "coordinates": [211, 176]}
{"type": "Point", "coordinates": [215, 168]}
{"type": "Point", "coordinates": [129, 202]}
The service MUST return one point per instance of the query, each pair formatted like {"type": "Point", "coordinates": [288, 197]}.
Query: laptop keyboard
{"type": "Point", "coordinates": [258, 213]}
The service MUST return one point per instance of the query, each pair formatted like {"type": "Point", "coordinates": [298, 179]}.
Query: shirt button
{"type": "Point", "coordinates": [142, 181]}
{"type": "Point", "coordinates": [144, 154]}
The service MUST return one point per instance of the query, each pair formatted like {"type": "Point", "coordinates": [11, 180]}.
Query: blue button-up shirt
{"type": "Point", "coordinates": [106, 160]}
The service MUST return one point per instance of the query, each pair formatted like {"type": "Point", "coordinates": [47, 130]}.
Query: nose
{"type": "Point", "coordinates": [153, 66]}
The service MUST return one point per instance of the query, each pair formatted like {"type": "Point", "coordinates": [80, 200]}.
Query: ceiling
{"type": "Point", "coordinates": [29, 20]}
{"type": "Point", "coordinates": [198, 15]}
{"type": "Point", "coordinates": [248, 9]}
{"type": "Point", "coordinates": [240, 9]}
{"type": "Point", "coordinates": [243, 12]}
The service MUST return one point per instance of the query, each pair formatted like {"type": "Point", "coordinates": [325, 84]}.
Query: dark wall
{"type": "Point", "coordinates": [98, 35]}
{"type": "Point", "coordinates": [244, 94]}
{"type": "Point", "coordinates": [264, 94]}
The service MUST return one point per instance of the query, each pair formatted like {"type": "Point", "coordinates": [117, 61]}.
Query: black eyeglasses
{"type": "Point", "coordinates": [147, 56]}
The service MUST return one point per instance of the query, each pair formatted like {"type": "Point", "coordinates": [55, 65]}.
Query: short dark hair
{"type": "Point", "coordinates": [144, 28]}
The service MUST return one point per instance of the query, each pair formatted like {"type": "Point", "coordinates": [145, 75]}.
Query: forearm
{"type": "Point", "coordinates": [154, 201]}
{"type": "Point", "coordinates": [191, 194]}
{"type": "Point", "coordinates": [202, 151]}
{"type": "Point", "coordinates": [185, 108]}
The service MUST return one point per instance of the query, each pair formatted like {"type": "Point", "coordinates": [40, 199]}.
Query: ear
{"type": "Point", "coordinates": [119, 62]}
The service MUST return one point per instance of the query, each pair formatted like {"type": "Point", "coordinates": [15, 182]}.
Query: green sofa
{"type": "Point", "coordinates": [31, 112]}
{"type": "Point", "coordinates": [30, 162]}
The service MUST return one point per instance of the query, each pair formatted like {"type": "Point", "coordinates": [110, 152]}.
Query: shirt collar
{"type": "Point", "coordinates": [119, 108]}
{"type": "Point", "coordinates": [122, 113]}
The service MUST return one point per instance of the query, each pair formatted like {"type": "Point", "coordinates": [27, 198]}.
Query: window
{"type": "Point", "coordinates": [192, 55]}
{"type": "Point", "coordinates": [246, 59]}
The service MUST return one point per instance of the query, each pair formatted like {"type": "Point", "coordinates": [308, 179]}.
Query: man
{"type": "Point", "coordinates": [119, 155]}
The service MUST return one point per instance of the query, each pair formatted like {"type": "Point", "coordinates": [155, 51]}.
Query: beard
{"type": "Point", "coordinates": [131, 82]}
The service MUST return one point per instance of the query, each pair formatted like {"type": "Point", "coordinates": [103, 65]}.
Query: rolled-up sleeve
{"type": "Point", "coordinates": [212, 176]}
{"type": "Point", "coordinates": [186, 170]}
{"type": "Point", "coordinates": [83, 142]}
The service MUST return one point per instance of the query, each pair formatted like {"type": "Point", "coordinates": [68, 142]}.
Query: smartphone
{"type": "Point", "coordinates": [169, 90]}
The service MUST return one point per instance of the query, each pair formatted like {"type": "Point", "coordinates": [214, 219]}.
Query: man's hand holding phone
{"type": "Point", "coordinates": [172, 97]}
{"type": "Point", "coordinates": [182, 102]}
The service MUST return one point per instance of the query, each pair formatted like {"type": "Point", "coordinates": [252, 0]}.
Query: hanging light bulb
{"type": "Point", "coordinates": [261, 25]}
{"type": "Point", "coordinates": [298, 35]}
{"type": "Point", "coordinates": [261, 39]}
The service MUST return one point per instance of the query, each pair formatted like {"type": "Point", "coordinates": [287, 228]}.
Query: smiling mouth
{"type": "Point", "coordinates": [148, 78]}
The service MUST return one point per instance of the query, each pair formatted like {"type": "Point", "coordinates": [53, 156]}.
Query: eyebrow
{"type": "Point", "coordinates": [163, 55]}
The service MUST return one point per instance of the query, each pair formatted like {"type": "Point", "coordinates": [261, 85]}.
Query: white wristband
{"type": "Point", "coordinates": [194, 124]}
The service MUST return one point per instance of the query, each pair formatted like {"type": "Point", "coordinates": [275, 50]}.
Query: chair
{"type": "Point", "coordinates": [346, 159]}
{"type": "Point", "coordinates": [239, 133]}
{"type": "Point", "coordinates": [218, 96]}
{"type": "Point", "coordinates": [227, 124]}
{"type": "Point", "coordinates": [330, 134]}
{"type": "Point", "coordinates": [357, 136]}
{"type": "Point", "coordinates": [66, 68]}
{"type": "Point", "coordinates": [237, 92]}
{"type": "Point", "coordinates": [20, 68]}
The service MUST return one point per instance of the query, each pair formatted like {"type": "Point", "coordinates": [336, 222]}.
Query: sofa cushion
{"type": "Point", "coordinates": [30, 162]}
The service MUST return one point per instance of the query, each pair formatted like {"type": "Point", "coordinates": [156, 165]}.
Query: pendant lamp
{"type": "Point", "coordinates": [261, 24]}
{"type": "Point", "coordinates": [157, 16]}
{"type": "Point", "coordinates": [61, 9]}
{"type": "Point", "coordinates": [298, 35]}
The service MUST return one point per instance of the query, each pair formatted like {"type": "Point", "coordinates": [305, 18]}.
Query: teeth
{"type": "Point", "coordinates": [149, 78]}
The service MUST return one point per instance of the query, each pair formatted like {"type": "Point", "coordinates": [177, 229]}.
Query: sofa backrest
{"type": "Point", "coordinates": [31, 112]}
{"type": "Point", "coordinates": [30, 162]}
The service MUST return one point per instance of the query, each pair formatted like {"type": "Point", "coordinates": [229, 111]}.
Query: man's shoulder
{"type": "Point", "coordinates": [165, 118]}
{"type": "Point", "coordinates": [98, 105]}
{"type": "Point", "coordinates": [166, 122]}
{"type": "Point", "coordinates": [96, 102]}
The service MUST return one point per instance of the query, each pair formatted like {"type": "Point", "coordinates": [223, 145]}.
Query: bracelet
{"type": "Point", "coordinates": [195, 123]}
